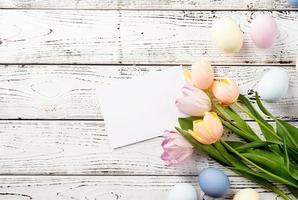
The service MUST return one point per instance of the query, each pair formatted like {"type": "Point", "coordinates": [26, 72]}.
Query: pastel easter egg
{"type": "Point", "coordinates": [293, 2]}
{"type": "Point", "coordinates": [214, 182]}
{"type": "Point", "coordinates": [183, 191]}
{"type": "Point", "coordinates": [273, 85]}
{"type": "Point", "coordinates": [247, 194]}
{"type": "Point", "coordinates": [227, 35]}
{"type": "Point", "coordinates": [263, 31]}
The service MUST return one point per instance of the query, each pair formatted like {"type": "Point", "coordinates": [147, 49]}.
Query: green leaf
{"type": "Point", "coordinates": [255, 144]}
{"type": "Point", "coordinates": [271, 162]}
{"type": "Point", "coordinates": [187, 123]}
{"type": "Point", "coordinates": [241, 124]}
{"type": "Point", "coordinates": [272, 176]}
{"type": "Point", "coordinates": [284, 130]}
{"type": "Point", "coordinates": [266, 128]}
{"type": "Point", "coordinates": [235, 144]}
{"type": "Point", "coordinates": [261, 180]}
{"type": "Point", "coordinates": [262, 107]}
{"type": "Point", "coordinates": [246, 136]}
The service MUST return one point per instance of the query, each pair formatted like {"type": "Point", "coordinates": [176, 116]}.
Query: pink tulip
{"type": "Point", "coordinates": [225, 91]}
{"type": "Point", "coordinates": [202, 75]}
{"type": "Point", "coordinates": [208, 130]}
{"type": "Point", "coordinates": [194, 101]}
{"type": "Point", "coordinates": [176, 148]}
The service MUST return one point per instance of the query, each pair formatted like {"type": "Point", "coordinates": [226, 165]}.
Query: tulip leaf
{"type": "Point", "coordinates": [235, 144]}
{"type": "Point", "coordinates": [187, 123]}
{"type": "Point", "coordinates": [286, 131]}
{"type": "Point", "coordinates": [261, 106]}
{"type": "Point", "coordinates": [241, 124]}
{"type": "Point", "coordinates": [262, 180]}
{"type": "Point", "coordinates": [239, 132]}
{"type": "Point", "coordinates": [272, 176]}
{"type": "Point", "coordinates": [271, 162]}
{"type": "Point", "coordinates": [266, 128]}
{"type": "Point", "coordinates": [255, 144]}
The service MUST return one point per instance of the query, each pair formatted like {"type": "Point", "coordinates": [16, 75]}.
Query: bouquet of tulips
{"type": "Point", "coordinates": [267, 158]}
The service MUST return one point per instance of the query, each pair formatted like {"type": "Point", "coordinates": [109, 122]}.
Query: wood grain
{"type": "Point", "coordinates": [69, 91]}
{"type": "Point", "coordinates": [105, 187]}
{"type": "Point", "coordinates": [133, 37]}
{"type": "Point", "coordinates": [153, 4]}
{"type": "Point", "coordinates": [82, 148]}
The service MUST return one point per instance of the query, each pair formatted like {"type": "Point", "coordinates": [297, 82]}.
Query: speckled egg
{"type": "Point", "coordinates": [263, 31]}
{"type": "Point", "coordinates": [227, 35]}
{"type": "Point", "coordinates": [293, 2]}
{"type": "Point", "coordinates": [247, 194]}
{"type": "Point", "coordinates": [214, 182]}
{"type": "Point", "coordinates": [273, 85]}
{"type": "Point", "coordinates": [183, 191]}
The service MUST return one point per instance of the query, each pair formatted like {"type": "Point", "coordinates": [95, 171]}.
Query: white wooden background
{"type": "Point", "coordinates": [55, 53]}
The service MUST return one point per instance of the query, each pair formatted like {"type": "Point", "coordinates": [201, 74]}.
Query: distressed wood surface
{"type": "Point", "coordinates": [105, 187]}
{"type": "Point", "coordinates": [153, 4]}
{"type": "Point", "coordinates": [69, 92]}
{"type": "Point", "coordinates": [133, 37]}
{"type": "Point", "coordinates": [82, 148]}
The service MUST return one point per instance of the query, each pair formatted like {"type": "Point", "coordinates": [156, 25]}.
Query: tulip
{"type": "Point", "coordinates": [225, 91]}
{"type": "Point", "coordinates": [208, 130]}
{"type": "Point", "coordinates": [194, 101]}
{"type": "Point", "coordinates": [202, 75]}
{"type": "Point", "coordinates": [176, 148]}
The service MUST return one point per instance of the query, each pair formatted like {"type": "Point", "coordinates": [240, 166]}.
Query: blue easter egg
{"type": "Point", "coordinates": [214, 182]}
{"type": "Point", "coordinates": [273, 85]}
{"type": "Point", "coordinates": [293, 2]}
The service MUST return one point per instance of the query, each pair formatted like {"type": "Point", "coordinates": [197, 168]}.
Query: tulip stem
{"type": "Point", "coordinates": [256, 119]}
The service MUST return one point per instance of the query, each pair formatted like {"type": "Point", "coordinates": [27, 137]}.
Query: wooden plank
{"type": "Point", "coordinates": [147, 37]}
{"type": "Point", "coordinates": [69, 91]}
{"type": "Point", "coordinates": [106, 187]}
{"type": "Point", "coordinates": [143, 4]}
{"type": "Point", "coordinates": [82, 148]}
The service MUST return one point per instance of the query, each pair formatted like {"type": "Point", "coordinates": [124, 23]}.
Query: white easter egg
{"type": "Point", "coordinates": [183, 191]}
{"type": "Point", "coordinates": [227, 35]}
{"type": "Point", "coordinates": [273, 85]}
{"type": "Point", "coordinates": [247, 194]}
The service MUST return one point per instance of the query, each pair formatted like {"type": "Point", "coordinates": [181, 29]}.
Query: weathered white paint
{"type": "Point", "coordinates": [134, 37]}
{"type": "Point", "coordinates": [105, 187]}
{"type": "Point", "coordinates": [69, 92]}
{"type": "Point", "coordinates": [82, 147]}
{"type": "Point", "coordinates": [152, 4]}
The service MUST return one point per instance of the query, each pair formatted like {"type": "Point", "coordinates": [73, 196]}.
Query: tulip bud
{"type": "Point", "coordinates": [176, 148]}
{"type": "Point", "coordinates": [194, 101]}
{"type": "Point", "coordinates": [202, 75]}
{"type": "Point", "coordinates": [209, 130]}
{"type": "Point", "coordinates": [225, 91]}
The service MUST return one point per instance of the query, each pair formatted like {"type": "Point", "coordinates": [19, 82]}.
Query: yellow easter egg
{"type": "Point", "coordinates": [227, 35]}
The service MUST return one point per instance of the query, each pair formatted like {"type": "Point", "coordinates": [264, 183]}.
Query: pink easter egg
{"type": "Point", "coordinates": [263, 31]}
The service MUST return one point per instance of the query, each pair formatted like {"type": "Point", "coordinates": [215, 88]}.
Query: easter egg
{"type": "Point", "coordinates": [273, 85]}
{"type": "Point", "coordinates": [227, 35]}
{"type": "Point", "coordinates": [263, 31]}
{"type": "Point", "coordinates": [247, 194]}
{"type": "Point", "coordinates": [183, 191]}
{"type": "Point", "coordinates": [214, 182]}
{"type": "Point", "coordinates": [293, 2]}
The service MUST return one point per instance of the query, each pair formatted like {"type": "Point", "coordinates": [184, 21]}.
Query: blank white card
{"type": "Point", "coordinates": [141, 108]}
